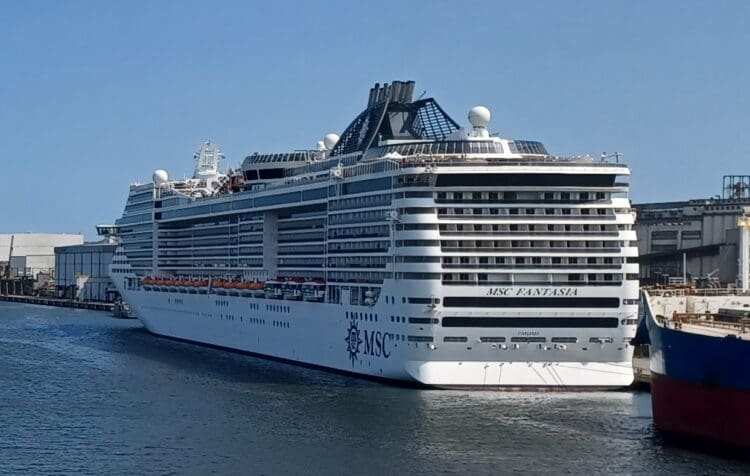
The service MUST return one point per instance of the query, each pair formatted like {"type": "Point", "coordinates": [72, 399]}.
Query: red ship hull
{"type": "Point", "coordinates": [718, 413]}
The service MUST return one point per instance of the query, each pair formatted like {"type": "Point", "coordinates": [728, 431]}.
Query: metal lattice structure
{"type": "Point", "coordinates": [432, 122]}
{"type": "Point", "coordinates": [391, 114]}
{"type": "Point", "coordinates": [736, 186]}
{"type": "Point", "coordinates": [359, 134]}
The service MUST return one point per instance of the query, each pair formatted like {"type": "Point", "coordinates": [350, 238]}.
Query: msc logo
{"type": "Point", "coordinates": [372, 343]}
{"type": "Point", "coordinates": [353, 341]}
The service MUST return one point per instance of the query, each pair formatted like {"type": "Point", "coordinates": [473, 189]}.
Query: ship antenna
{"type": "Point", "coordinates": [207, 160]}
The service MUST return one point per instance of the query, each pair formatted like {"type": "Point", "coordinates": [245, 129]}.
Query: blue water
{"type": "Point", "coordinates": [83, 393]}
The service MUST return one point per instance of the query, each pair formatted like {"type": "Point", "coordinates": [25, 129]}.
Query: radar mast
{"type": "Point", "coordinates": [207, 160]}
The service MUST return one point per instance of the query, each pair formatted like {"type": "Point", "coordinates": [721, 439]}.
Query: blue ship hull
{"type": "Point", "coordinates": [700, 384]}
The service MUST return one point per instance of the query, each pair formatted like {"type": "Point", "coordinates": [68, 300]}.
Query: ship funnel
{"type": "Point", "coordinates": [408, 91]}
{"type": "Point", "coordinates": [397, 91]}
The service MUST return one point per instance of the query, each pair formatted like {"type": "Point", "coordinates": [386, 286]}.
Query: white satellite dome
{"type": "Point", "coordinates": [330, 140]}
{"type": "Point", "coordinates": [479, 116]}
{"type": "Point", "coordinates": [160, 177]}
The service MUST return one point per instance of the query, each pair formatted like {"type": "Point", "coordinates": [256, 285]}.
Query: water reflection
{"type": "Point", "coordinates": [82, 392]}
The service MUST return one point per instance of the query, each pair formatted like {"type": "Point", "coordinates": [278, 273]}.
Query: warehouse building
{"type": "Point", "coordinates": [697, 240]}
{"type": "Point", "coordinates": [26, 255]}
{"type": "Point", "coordinates": [83, 272]}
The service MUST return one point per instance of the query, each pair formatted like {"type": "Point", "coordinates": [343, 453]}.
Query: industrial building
{"type": "Point", "coordinates": [698, 240]}
{"type": "Point", "coordinates": [26, 255]}
{"type": "Point", "coordinates": [83, 272]}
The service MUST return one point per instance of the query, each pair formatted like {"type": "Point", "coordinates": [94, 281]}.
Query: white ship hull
{"type": "Point", "coordinates": [364, 341]}
{"type": "Point", "coordinates": [428, 253]}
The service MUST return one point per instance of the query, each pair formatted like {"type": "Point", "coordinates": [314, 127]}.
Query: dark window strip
{"type": "Point", "coordinates": [524, 180]}
{"type": "Point", "coordinates": [423, 320]}
{"type": "Point", "coordinates": [531, 322]}
{"type": "Point", "coordinates": [419, 338]}
{"type": "Point", "coordinates": [454, 339]}
{"type": "Point", "coordinates": [543, 302]}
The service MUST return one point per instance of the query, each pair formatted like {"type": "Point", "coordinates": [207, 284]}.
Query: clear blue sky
{"type": "Point", "coordinates": [96, 95]}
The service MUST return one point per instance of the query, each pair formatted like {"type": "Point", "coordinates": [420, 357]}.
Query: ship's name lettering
{"type": "Point", "coordinates": [532, 292]}
{"type": "Point", "coordinates": [377, 343]}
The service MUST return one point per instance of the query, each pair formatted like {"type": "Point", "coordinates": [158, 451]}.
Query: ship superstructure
{"type": "Point", "coordinates": [409, 248]}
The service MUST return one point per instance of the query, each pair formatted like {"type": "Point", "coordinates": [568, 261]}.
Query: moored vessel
{"type": "Point", "coordinates": [409, 248]}
{"type": "Point", "coordinates": [699, 362]}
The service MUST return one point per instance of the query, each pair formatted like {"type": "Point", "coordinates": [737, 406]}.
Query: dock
{"type": "Point", "coordinates": [642, 372]}
{"type": "Point", "coordinates": [45, 301]}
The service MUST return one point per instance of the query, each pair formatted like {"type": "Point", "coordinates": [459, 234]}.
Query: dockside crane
{"type": "Point", "coordinates": [6, 271]}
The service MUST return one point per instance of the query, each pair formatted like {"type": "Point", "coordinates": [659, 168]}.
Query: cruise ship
{"type": "Point", "coordinates": [409, 249]}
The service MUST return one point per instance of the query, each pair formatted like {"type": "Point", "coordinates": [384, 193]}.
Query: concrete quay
{"type": "Point", "coordinates": [45, 301]}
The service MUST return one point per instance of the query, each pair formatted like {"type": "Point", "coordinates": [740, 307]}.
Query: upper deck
{"type": "Point", "coordinates": [396, 132]}
{"type": "Point", "coordinates": [701, 311]}
{"type": "Point", "coordinates": [405, 193]}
